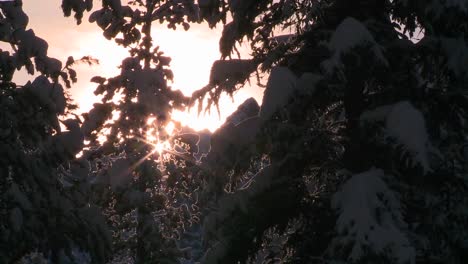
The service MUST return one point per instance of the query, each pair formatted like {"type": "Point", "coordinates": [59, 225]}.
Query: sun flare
{"type": "Point", "coordinates": [162, 146]}
{"type": "Point", "coordinates": [153, 138]}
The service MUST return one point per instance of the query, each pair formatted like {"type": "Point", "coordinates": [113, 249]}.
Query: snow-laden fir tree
{"type": "Point", "coordinates": [362, 125]}
{"type": "Point", "coordinates": [41, 215]}
{"type": "Point", "coordinates": [144, 185]}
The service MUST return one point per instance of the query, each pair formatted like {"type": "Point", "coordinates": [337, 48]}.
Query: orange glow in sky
{"type": "Point", "coordinates": [192, 53]}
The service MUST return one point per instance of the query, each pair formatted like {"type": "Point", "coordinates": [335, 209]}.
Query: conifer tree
{"type": "Point", "coordinates": [363, 127]}
{"type": "Point", "coordinates": [141, 182]}
{"type": "Point", "coordinates": [41, 215]}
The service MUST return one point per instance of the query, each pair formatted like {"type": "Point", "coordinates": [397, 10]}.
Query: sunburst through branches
{"type": "Point", "coordinates": [166, 148]}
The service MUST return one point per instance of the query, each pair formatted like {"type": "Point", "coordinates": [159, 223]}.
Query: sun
{"type": "Point", "coordinates": [153, 137]}
{"type": "Point", "coordinates": [161, 147]}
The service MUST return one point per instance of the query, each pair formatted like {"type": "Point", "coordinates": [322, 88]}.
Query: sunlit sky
{"type": "Point", "coordinates": [192, 53]}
